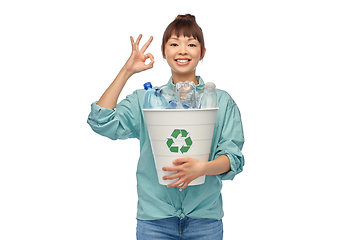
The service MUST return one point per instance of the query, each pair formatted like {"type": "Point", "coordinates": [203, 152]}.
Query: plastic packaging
{"type": "Point", "coordinates": [168, 93]}
{"type": "Point", "coordinates": [171, 97]}
{"type": "Point", "coordinates": [153, 99]}
{"type": "Point", "coordinates": [173, 104]}
{"type": "Point", "coordinates": [208, 98]}
{"type": "Point", "coordinates": [187, 94]}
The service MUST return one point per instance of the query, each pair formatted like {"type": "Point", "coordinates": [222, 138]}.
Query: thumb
{"type": "Point", "coordinates": [151, 63]}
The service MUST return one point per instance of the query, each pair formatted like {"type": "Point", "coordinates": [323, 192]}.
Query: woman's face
{"type": "Point", "coordinates": [182, 54]}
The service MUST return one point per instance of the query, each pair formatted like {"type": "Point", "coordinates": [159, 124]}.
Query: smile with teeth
{"type": "Point", "coordinates": [182, 62]}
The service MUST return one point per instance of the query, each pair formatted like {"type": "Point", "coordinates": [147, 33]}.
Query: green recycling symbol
{"type": "Point", "coordinates": [174, 135]}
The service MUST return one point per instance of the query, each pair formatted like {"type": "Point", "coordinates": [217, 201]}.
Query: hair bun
{"type": "Point", "coordinates": [187, 16]}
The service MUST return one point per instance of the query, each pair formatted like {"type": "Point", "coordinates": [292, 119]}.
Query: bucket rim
{"type": "Point", "coordinates": [180, 110]}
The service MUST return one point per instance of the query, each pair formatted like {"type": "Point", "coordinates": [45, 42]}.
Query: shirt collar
{"type": "Point", "coordinates": [199, 87]}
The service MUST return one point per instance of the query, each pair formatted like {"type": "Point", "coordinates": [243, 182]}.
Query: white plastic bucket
{"type": "Point", "coordinates": [177, 133]}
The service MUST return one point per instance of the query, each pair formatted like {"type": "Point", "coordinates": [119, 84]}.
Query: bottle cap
{"type": "Point", "coordinates": [210, 85]}
{"type": "Point", "coordinates": [147, 85]}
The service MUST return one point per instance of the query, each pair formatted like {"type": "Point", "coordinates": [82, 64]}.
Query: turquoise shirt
{"type": "Point", "coordinates": [156, 201]}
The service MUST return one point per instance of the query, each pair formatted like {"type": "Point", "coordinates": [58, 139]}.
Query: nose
{"type": "Point", "coordinates": [182, 50]}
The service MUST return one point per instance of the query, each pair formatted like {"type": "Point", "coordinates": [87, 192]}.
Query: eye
{"type": "Point", "coordinates": [192, 45]}
{"type": "Point", "coordinates": [173, 44]}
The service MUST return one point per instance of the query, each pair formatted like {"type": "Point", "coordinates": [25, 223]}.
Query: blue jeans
{"type": "Point", "coordinates": [175, 228]}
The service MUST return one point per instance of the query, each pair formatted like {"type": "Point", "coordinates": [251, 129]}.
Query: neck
{"type": "Point", "coordinates": [184, 77]}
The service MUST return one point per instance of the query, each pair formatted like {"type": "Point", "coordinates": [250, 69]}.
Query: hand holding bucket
{"type": "Point", "coordinates": [180, 133]}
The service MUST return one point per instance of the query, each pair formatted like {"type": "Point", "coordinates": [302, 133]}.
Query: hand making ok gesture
{"type": "Point", "coordinates": [136, 62]}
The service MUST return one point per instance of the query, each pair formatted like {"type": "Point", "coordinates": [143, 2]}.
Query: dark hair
{"type": "Point", "coordinates": [184, 25]}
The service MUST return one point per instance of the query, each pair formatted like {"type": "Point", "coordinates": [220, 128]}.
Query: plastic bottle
{"type": "Point", "coordinates": [171, 97]}
{"type": "Point", "coordinates": [208, 98]}
{"type": "Point", "coordinates": [187, 94]}
{"type": "Point", "coordinates": [173, 104]}
{"type": "Point", "coordinates": [153, 99]}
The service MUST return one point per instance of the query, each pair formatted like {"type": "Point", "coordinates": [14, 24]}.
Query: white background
{"type": "Point", "coordinates": [291, 66]}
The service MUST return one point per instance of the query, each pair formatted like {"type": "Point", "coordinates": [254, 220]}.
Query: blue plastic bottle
{"type": "Point", "coordinates": [173, 104]}
{"type": "Point", "coordinates": [153, 99]}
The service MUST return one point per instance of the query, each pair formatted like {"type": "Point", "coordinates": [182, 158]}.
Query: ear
{"type": "Point", "coordinates": [203, 55]}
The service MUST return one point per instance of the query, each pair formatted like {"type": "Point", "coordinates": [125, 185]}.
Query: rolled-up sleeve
{"type": "Point", "coordinates": [122, 122]}
{"type": "Point", "coordinates": [231, 142]}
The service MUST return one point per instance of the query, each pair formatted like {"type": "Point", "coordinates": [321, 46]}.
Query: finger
{"type": "Point", "coordinates": [138, 41]}
{"type": "Point", "coordinates": [180, 161]}
{"type": "Point", "coordinates": [174, 176]}
{"type": "Point", "coordinates": [178, 183]}
{"type": "Point", "coordinates": [149, 55]}
{"type": "Point", "coordinates": [132, 42]}
{"type": "Point", "coordinates": [146, 45]}
{"type": "Point", "coordinates": [185, 184]}
{"type": "Point", "coordinates": [151, 63]}
{"type": "Point", "coordinates": [171, 169]}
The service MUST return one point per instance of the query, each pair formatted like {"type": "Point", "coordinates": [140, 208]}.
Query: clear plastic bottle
{"type": "Point", "coordinates": [173, 104]}
{"type": "Point", "coordinates": [187, 94]}
{"type": "Point", "coordinates": [152, 98]}
{"type": "Point", "coordinates": [208, 98]}
{"type": "Point", "coordinates": [171, 97]}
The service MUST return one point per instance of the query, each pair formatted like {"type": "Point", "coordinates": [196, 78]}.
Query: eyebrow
{"type": "Point", "coordinates": [176, 38]}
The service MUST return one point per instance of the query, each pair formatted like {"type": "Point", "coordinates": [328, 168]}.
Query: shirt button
{"type": "Point", "coordinates": [182, 216]}
{"type": "Point", "coordinates": [180, 189]}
